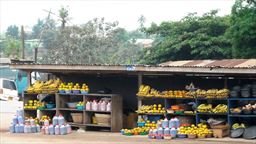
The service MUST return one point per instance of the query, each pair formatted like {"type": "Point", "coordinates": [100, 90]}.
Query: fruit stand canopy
{"type": "Point", "coordinates": [222, 67]}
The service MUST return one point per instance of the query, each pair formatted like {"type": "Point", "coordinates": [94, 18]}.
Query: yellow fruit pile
{"type": "Point", "coordinates": [212, 93]}
{"type": "Point", "coordinates": [237, 126]}
{"type": "Point", "coordinates": [221, 108]}
{"type": "Point", "coordinates": [204, 108]}
{"type": "Point", "coordinates": [154, 109]}
{"type": "Point", "coordinates": [45, 117]}
{"type": "Point", "coordinates": [147, 91]}
{"type": "Point", "coordinates": [136, 131]}
{"type": "Point", "coordinates": [33, 104]}
{"type": "Point", "coordinates": [200, 130]}
{"type": "Point", "coordinates": [49, 86]}
{"type": "Point", "coordinates": [207, 108]}
{"type": "Point", "coordinates": [71, 86]}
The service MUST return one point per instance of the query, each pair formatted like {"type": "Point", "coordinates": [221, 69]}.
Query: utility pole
{"type": "Point", "coordinates": [22, 43]}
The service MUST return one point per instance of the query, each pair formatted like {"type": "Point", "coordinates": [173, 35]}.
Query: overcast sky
{"type": "Point", "coordinates": [127, 12]}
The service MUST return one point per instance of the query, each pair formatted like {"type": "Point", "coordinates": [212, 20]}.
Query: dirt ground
{"type": "Point", "coordinates": [105, 138]}
{"type": "Point", "coordinates": [91, 137]}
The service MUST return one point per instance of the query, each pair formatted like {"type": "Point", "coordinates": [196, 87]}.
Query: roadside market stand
{"type": "Point", "coordinates": [125, 80]}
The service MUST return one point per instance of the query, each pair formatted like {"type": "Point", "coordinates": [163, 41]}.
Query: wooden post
{"type": "Point", "coordinates": [139, 84]}
{"type": "Point", "coordinates": [226, 82]}
{"type": "Point", "coordinates": [28, 78]}
{"type": "Point", "coordinates": [22, 43]}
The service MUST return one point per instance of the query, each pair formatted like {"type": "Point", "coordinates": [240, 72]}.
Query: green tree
{"type": "Point", "coordinates": [63, 14]}
{"type": "Point", "coordinates": [37, 29]}
{"type": "Point", "coordinates": [193, 37]}
{"type": "Point", "coordinates": [96, 41]}
{"type": "Point", "coordinates": [242, 31]}
{"type": "Point", "coordinates": [12, 47]}
{"type": "Point", "coordinates": [12, 31]}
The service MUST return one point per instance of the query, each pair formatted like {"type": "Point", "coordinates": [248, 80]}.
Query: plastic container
{"type": "Point", "coordinates": [72, 104]}
{"type": "Point", "coordinates": [191, 136]}
{"type": "Point", "coordinates": [181, 135]}
{"type": "Point", "coordinates": [61, 120]}
{"type": "Point", "coordinates": [173, 132]}
{"type": "Point", "coordinates": [21, 128]}
{"type": "Point", "coordinates": [69, 130]}
{"type": "Point", "coordinates": [20, 112]}
{"type": "Point", "coordinates": [154, 131]}
{"type": "Point", "coordinates": [20, 120]}
{"type": "Point", "coordinates": [37, 128]}
{"type": "Point", "coordinates": [32, 121]}
{"type": "Point", "coordinates": [165, 123]}
{"type": "Point", "coordinates": [80, 107]}
{"type": "Point", "coordinates": [33, 129]}
{"type": "Point", "coordinates": [158, 124]}
{"type": "Point", "coordinates": [177, 122]}
{"type": "Point", "coordinates": [109, 106]}
{"type": "Point", "coordinates": [57, 130]}
{"type": "Point", "coordinates": [160, 131]}
{"type": "Point", "coordinates": [47, 130]}
{"type": "Point", "coordinates": [83, 92]}
{"type": "Point", "coordinates": [50, 106]}
{"type": "Point", "coordinates": [46, 123]}
{"type": "Point", "coordinates": [26, 128]}
{"type": "Point", "coordinates": [103, 106]}
{"type": "Point", "coordinates": [94, 105]}
{"type": "Point", "coordinates": [63, 130]}
{"type": "Point", "coordinates": [29, 129]}
{"type": "Point", "coordinates": [67, 91]}
{"type": "Point", "coordinates": [16, 128]}
{"type": "Point", "coordinates": [150, 132]}
{"type": "Point", "coordinates": [51, 130]}
{"type": "Point", "coordinates": [55, 120]}
{"type": "Point", "coordinates": [88, 105]}
{"type": "Point", "coordinates": [12, 128]}
{"type": "Point", "coordinates": [141, 124]}
{"type": "Point", "coordinates": [76, 91]}
{"type": "Point", "coordinates": [14, 120]}
{"type": "Point", "coordinates": [166, 131]}
{"type": "Point", "coordinates": [62, 91]}
{"type": "Point", "coordinates": [172, 123]}
{"type": "Point", "coordinates": [43, 130]}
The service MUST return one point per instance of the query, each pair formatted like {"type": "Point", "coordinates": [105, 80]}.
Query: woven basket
{"type": "Point", "coordinates": [77, 117]}
{"type": "Point", "coordinates": [103, 119]}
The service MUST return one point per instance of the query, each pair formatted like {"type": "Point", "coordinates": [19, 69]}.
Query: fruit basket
{"type": "Point", "coordinates": [67, 91]}
{"type": "Point", "coordinates": [77, 117]}
{"type": "Point", "coordinates": [41, 108]}
{"type": "Point", "coordinates": [201, 136]}
{"type": "Point", "coordinates": [191, 136]}
{"type": "Point", "coordinates": [247, 111]}
{"type": "Point", "coordinates": [179, 111]}
{"type": "Point", "coordinates": [103, 119]}
{"type": "Point", "coordinates": [235, 111]}
{"type": "Point", "coordinates": [209, 135]}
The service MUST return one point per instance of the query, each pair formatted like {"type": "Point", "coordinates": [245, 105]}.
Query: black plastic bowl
{"type": "Point", "coordinates": [234, 94]}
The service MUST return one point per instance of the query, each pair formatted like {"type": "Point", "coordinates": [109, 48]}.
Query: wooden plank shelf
{"type": "Point", "coordinates": [54, 109]}
{"type": "Point", "coordinates": [242, 115]}
{"type": "Point", "coordinates": [184, 114]}
{"type": "Point", "coordinates": [76, 124]}
{"type": "Point", "coordinates": [212, 113]}
{"type": "Point", "coordinates": [98, 111]}
{"type": "Point", "coordinates": [151, 113]}
{"type": "Point", "coordinates": [69, 109]}
{"type": "Point", "coordinates": [30, 109]}
{"type": "Point", "coordinates": [90, 94]}
{"type": "Point", "coordinates": [97, 125]}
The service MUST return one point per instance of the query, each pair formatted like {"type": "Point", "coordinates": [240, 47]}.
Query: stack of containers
{"type": "Point", "coordinates": [58, 126]}
{"type": "Point", "coordinates": [166, 129]}
{"type": "Point", "coordinates": [17, 125]}
{"type": "Point", "coordinates": [102, 105]}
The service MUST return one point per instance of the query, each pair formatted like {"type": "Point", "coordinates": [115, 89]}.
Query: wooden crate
{"type": "Point", "coordinates": [220, 133]}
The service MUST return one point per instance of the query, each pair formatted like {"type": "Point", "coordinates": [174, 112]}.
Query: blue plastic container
{"type": "Point", "coordinates": [50, 106]}
{"type": "Point", "coordinates": [141, 124]}
{"type": "Point", "coordinates": [67, 91]}
{"type": "Point", "coordinates": [84, 92]}
{"type": "Point", "coordinates": [62, 91]}
{"type": "Point", "coordinates": [76, 91]}
{"type": "Point", "coordinates": [80, 107]}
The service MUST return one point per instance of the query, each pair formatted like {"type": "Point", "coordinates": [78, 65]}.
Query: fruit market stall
{"type": "Point", "coordinates": [222, 95]}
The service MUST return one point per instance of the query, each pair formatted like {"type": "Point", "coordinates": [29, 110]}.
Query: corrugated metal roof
{"type": "Point", "coordinates": [227, 63]}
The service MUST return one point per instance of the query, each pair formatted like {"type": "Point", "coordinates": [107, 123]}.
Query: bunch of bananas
{"type": "Point", "coordinates": [212, 93]}
{"type": "Point", "coordinates": [144, 90]}
{"type": "Point", "coordinates": [221, 108]}
{"type": "Point", "coordinates": [237, 125]}
{"type": "Point", "coordinates": [49, 86]}
{"type": "Point", "coordinates": [204, 108]}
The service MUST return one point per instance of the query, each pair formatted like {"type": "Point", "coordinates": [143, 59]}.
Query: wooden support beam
{"type": "Point", "coordinates": [139, 84]}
